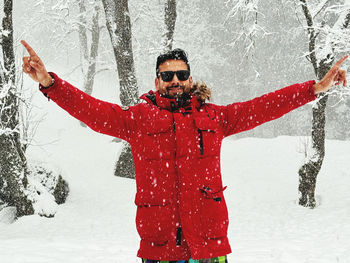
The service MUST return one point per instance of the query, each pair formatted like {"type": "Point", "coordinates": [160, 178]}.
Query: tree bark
{"type": "Point", "coordinates": [83, 39]}
{"type": "Point", "coordinates": [170, 21]}
{"type": "Point", "coordinates": [310, 169]}
{"type": "Point", "coordinates": [119, 28]}
{"type": "Point", "coordinates": [314, 157]}
{"type": "Point", "coordinates": [88, 60]}
{"type": "Point", "coordinates": [13, 163]}
{"type": "Point", "coordinates": [95, 36]}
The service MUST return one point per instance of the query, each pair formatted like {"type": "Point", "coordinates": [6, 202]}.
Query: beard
{"type": "Point", "coordinates": [175, 91]}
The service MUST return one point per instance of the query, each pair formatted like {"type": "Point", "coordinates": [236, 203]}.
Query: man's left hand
{"type": "Point", "coordinates": [335, 74]}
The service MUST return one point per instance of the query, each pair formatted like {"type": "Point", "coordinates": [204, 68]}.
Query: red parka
{"type": "Point", "coordinates": [181, 210]}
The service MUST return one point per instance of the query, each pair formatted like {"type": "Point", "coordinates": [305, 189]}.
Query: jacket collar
{"type": "Point", "coordinates": [185, 104]}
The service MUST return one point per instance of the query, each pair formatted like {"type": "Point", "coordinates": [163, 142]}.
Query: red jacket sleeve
{"type": "Point", "coordinates": [242, 116]}
{"type": "Point", "coordinates": [101, 116]}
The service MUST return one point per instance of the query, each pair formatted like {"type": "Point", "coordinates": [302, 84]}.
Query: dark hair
{"type": "Point", "coordinates": [177, 54]}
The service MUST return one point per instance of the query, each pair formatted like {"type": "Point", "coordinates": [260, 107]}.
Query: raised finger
{"type": "Point", "coordinates": [340, 61]}
{"type": "Point", "coordinates": [28, 48]}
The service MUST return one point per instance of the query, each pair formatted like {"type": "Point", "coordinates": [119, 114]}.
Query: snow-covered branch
{"type": "Point", "coordinates": [337, 37]}
{"type": "Point", "coordinates": [246, 13]}
{"type": "Point", "coordinates": [311, 33]}
{"type": "Point", "coordinates": [319, 8]}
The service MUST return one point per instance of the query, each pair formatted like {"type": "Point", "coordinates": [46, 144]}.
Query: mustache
{"type": "Point", "coordinates": [175, 86]}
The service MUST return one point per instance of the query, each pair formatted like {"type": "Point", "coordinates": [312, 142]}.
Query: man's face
{"type": "Point", "coordinates": [175, 87]}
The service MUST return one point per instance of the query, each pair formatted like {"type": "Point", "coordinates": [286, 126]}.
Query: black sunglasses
{"type": "Point", "coordinates": [182, 75]}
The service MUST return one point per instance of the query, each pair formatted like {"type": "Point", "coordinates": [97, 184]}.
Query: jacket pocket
{"type": "Point", "coordinates": [156, 139]}
{"type": "Point", "coordinates": [208, 138]}
{"type": "Point", "coordinates": [214, 214]}
{"type": "Point", "coordinates": [156, 126]}
{"type": "Point", "coordinates": [153, 222]}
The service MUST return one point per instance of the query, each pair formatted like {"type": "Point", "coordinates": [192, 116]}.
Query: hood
{"type": "Point", "coordinates": [201, 91]}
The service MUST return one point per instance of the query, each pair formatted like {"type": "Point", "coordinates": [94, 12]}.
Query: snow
{"type": "Point", "coordinates": [97, 223]}
{"type": "Point", "coordinates": [7, 214]}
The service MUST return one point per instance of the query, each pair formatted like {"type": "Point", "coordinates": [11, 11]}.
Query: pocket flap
{"type": "Point", "coordinates": [206, 124]}
{"type": "Point", "coordinates": [158, 126]}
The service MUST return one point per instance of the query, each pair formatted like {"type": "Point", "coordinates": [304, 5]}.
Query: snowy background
{"type": "Point", "coordinates": [97, 222]}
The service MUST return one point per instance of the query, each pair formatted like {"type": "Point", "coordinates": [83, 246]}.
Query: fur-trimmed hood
{"type": "Point", "coordinates": [201, 91]}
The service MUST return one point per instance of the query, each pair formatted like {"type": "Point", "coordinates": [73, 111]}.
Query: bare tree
{"type": "Point", "coordinates": [88, 56]}
{"type": "Point", "coordinates": [119, 28]}
{"type": "Point", "coordinates": [63, 16]}
{"type": "Point", "coordinates": [244, 16]}
{"type": "Point", "coordinates": [16, 190]}
{"type": "Point", "coordinates": [13, 163]}
{"type": "Point", "coordinates": [247, 13]}
{"type": "Point", "coordinates": [170, 21]}
{"type": "Point", "coordinates": [321, 55]}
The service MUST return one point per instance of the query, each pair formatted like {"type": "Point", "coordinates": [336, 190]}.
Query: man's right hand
{"type": "Point", "coordinates": [34, 67]}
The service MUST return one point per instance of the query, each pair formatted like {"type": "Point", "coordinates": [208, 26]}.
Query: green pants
{"type": "Point", "coordinates": [222, 259]}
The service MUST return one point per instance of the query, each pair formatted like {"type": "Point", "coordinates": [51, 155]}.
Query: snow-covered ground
{"type": "Point", "coordinates": [97, 223]}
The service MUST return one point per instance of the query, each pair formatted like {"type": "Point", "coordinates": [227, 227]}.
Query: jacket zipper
{"type": "Point", "coordinates": [178, 230]}
{"type": "Point", "coordinates": [200, 135]}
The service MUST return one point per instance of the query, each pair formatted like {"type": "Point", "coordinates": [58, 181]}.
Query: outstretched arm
{"type": "Point", "coordinates": [101, 116]}
{"type": "Point", "coordinates": [242, 116]}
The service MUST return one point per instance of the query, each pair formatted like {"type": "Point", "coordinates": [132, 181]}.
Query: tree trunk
{"type": "Point", "coordinates": [119, 28]}
{"type": "Point", "coordinates": [88, 61]}
{"type": "Point", "coordinates": [83, 39]}
{"type": "Point", "coordinates": [13, 177]}
{"type": "Point", "coordinates": [310, 169]}
{"type": "Point", "coordinates": [13, 164]}
{"type": "Point", "coordinates": [170, 20]}
{"type": "Point", "coordinates": [315, 156]}
{"type": "Point", "coordinates": [95, 36]}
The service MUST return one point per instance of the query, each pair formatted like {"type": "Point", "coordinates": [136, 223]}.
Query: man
{"type": "Point", "coordinates": [176, 138]}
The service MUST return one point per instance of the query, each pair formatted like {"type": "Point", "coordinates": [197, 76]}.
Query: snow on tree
{"type": "Point", "coordinates": [169, 20]}
{"type": "Point", "coordinates": [13, 163]}
{"type": "Point", "coordinates": [328, 33]}
{"type": "Point", "coordinates": [88, 55]}
{"type": "Point", "coordinates": [119, 28]}
{"type": "Point", "coordinates": [22, 190]}
{"type": "Point", "coordinates": [328, 36]}
{"type": "Point", "coordinates": [83, 19]}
